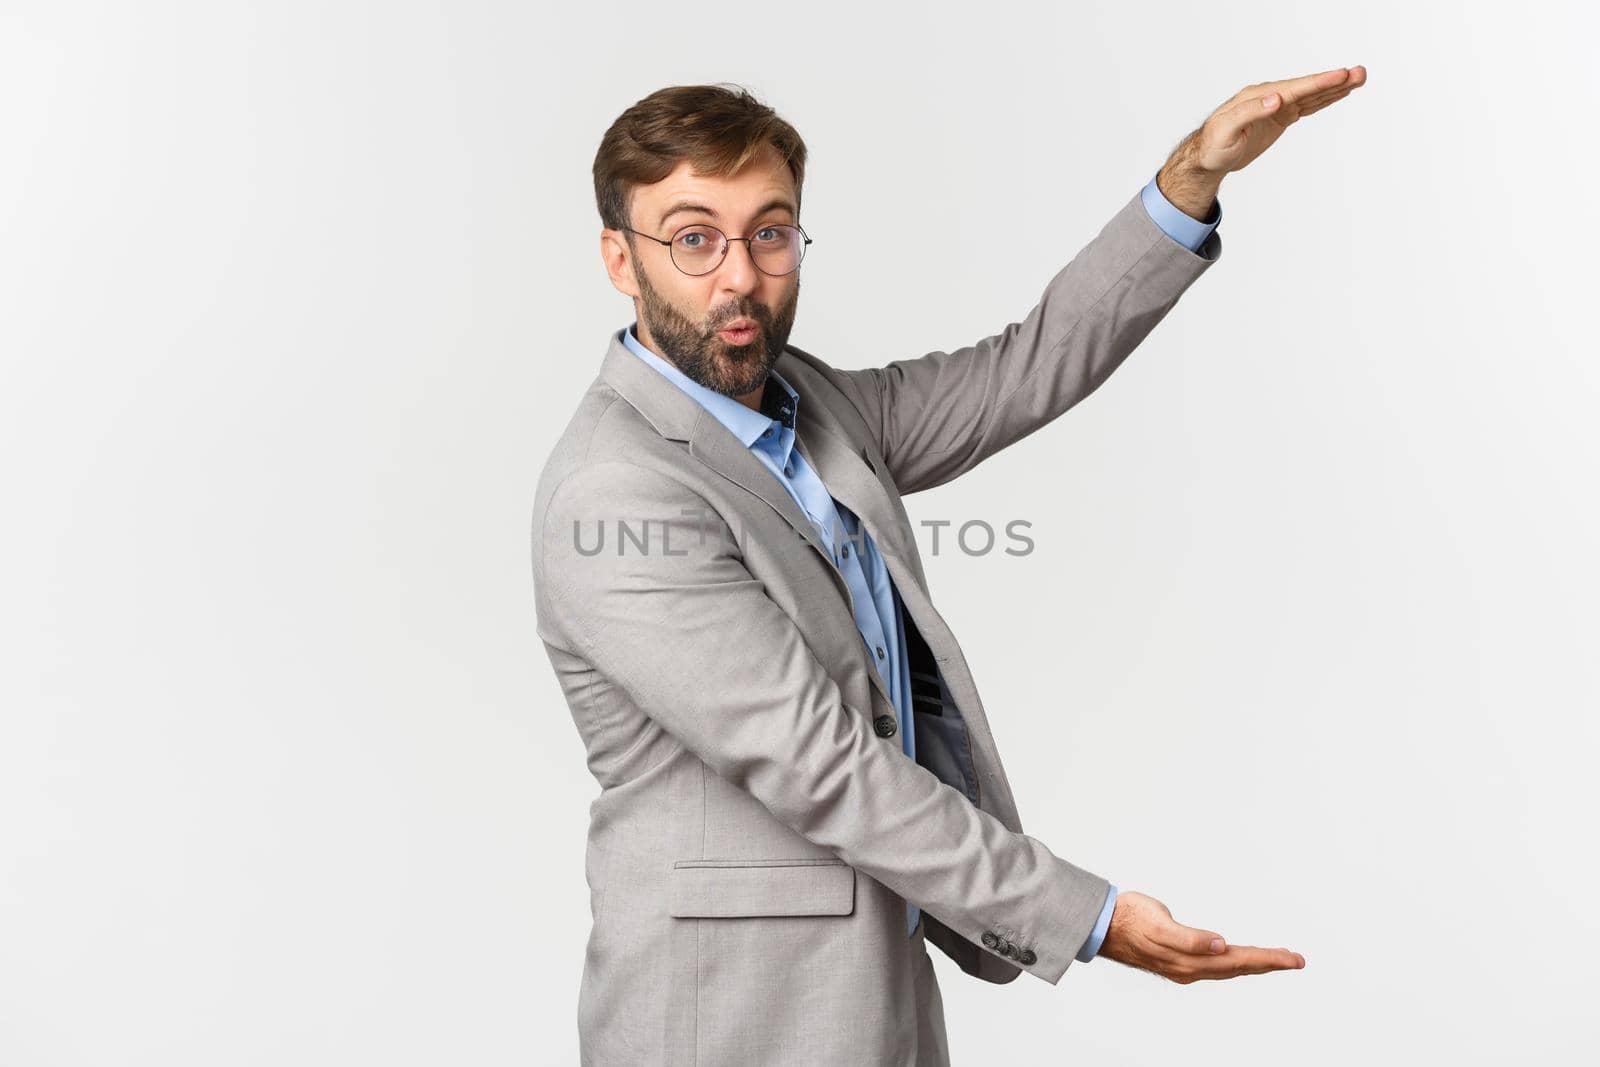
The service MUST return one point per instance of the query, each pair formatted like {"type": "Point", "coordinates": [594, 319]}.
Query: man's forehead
{"type": "Point", "coordinates": [754, 190]}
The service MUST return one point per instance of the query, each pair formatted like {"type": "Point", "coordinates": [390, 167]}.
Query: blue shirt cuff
{"type": "Point", "coordinates": [1091, 947]}
{"type": "Point", "coordinates": [1186, 230]}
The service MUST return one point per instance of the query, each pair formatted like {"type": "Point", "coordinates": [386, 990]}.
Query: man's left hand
{"type": "Point", "coordinates": [1243, 127]}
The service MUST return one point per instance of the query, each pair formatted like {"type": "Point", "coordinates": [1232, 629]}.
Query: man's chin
{"type": "Point", "coordinates": [743, 357]}
{"type": "Point", "coordinates": [740, 376]}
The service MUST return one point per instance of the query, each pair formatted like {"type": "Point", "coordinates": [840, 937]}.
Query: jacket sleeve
{"type": "Point", "coordinates": [939, 415]}
{"type": "Point", "coordinates": [691, 635]}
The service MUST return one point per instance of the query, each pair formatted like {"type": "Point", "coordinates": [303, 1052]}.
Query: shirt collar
{"type": "Point", "coordinates": [779, 401]}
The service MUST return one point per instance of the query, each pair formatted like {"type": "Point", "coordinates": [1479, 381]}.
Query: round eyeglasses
{"type": "Point", "coordinates": [699, 249]}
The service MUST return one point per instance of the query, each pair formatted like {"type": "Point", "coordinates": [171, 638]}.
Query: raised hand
{"type": "Point", "coordinates": [1249, 122]}
{"type": "Point", "coordinates": [1143, 934]}
{"type": "Point", "coordinates": [1243, 127]}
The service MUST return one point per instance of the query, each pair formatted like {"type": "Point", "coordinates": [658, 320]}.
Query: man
{"type": "Point", "coordinates": [799, 787]}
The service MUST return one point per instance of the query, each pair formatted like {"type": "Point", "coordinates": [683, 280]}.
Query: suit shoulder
{"type": "Point", "coordinates": [606, 433]}
{"type": "Point", "coordinates": [607, 457]}
{"type": "Point", "coordinates": [800, 367]}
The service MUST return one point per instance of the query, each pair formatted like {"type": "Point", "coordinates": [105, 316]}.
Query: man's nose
{"type": "Point", "coordinates": [738, 272]}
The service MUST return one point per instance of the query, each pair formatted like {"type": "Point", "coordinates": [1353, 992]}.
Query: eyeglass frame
{"type": "Point", "coordinates": [727, 242]}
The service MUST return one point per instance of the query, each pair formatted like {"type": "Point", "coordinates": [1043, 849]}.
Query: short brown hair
{"type": "Point", "coordinates": [716, 128]}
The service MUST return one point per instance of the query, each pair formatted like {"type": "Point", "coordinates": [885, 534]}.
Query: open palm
{"type": "Point", "coordinates": [1250, 121]}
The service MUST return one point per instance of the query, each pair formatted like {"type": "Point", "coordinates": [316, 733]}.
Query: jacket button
{"type": "Point", "coordinates": [990, 940]}
{"type": "Point", "coordinates": [1011, 951]}
{"type": "Point", "coordinates": [885, 725]}
{"type": "Point", "coordinates": [1028, 959]}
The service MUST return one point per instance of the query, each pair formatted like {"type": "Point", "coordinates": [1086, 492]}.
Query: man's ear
{"type": "Point", "coordinates": [618, 258]}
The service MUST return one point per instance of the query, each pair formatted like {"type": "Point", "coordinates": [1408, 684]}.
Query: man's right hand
{"type": "Point", "coordinates": [1143, 934]}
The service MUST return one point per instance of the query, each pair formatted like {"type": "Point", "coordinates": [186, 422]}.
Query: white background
{"type": "Point", "coordinates": [294, 299]}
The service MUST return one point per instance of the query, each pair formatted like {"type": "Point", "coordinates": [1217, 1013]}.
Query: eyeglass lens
{"type": "Point", "coordinates": [776, 249]}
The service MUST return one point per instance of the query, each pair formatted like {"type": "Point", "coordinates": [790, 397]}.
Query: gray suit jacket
{"type": "Point", "coordinates": [755, 839]}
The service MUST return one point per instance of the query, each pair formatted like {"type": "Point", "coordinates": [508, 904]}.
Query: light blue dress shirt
{"type": "Point", "coordinates": [769, 434]}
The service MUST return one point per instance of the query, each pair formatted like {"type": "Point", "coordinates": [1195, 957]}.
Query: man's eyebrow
{"type": "Point", "coordinates": [771, 205]}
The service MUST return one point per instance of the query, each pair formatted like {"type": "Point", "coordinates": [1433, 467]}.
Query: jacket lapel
{"type": "Point", "coordinates": [849, 475]}
{"type": "Point", "coordinates": [678, 417]}
{"type": "Point", "coordinates": [844, 468]}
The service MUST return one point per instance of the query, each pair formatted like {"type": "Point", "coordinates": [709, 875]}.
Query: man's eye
{"type": "Point", "coordinates": [689, 239]}
{"type": "Point", "coordinates": [771, 233]}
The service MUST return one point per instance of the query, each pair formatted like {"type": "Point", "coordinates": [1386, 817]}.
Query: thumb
{"type": "Point", "coordinates": [1232, 122]}
{"type": "Point", "coordinates": [1190, 940]}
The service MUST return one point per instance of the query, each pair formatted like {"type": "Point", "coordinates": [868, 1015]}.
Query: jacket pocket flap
{"type": "Point", "coordinates": [719, 889]}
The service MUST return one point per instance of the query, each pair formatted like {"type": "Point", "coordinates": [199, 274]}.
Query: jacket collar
{"type": "Point", "coordinates": [778, 399]}
{"type": "Point", "coordinates": [844, 465]}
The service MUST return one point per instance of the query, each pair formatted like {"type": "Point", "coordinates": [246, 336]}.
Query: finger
{"type": "Point", "coordinates": [1313, 109]}
{"type": "Point", "coordinates": [1329, 78]}
{"type": "Point", "coordinates": [1318, 99]}
{"type": "Point", "coordinates": [1242, 969]}
{"type": "Point", "coordinates": [1293, 89]}
{"type": "Point", "coordinates": [1328, 96]}
{"type": "Point", "coordinates": [1247, 959]}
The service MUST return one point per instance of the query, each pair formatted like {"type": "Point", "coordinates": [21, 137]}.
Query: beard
{"type": "Point", "coordinates": [702, 355]}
